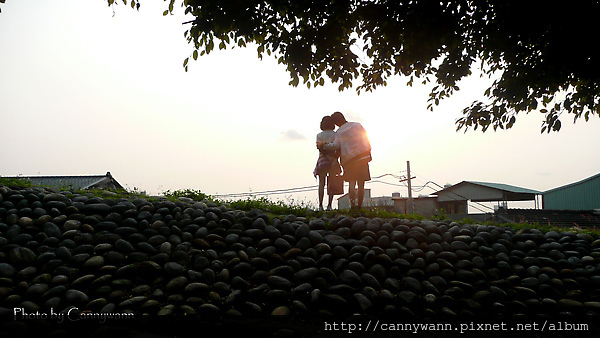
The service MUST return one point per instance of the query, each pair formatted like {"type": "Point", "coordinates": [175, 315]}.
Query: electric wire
{"type": "Point", "coordinates": [401, 178]}
{"type": "Point", "coordinates": [295, 190]}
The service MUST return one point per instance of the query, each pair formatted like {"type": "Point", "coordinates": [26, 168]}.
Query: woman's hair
{"type": "Point", "coordinates": [327, 123]}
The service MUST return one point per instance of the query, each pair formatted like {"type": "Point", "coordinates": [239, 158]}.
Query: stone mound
{"type": "Point", "coordinates": [158, 267]}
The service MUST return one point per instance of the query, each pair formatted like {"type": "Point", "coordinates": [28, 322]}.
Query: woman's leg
{"type": "Point", "coordinates": [329, 195]}
{"type": "Point", "coordinates": [321, 190]}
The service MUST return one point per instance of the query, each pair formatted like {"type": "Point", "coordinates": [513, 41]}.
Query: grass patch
{"type": "Point", "coordinates": [547, 228]}
{"type": "Point", "coordinates": [12, 182]}
{"type": "Point", "coordinates": [116, 194]}
{"type": "Point", "coordinates": [273, 207]}
{"type": "Point", "coordinates": [195, 195]}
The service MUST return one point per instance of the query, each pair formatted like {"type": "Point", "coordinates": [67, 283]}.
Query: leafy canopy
{"type": "Point", "coordinates": [542, 54]}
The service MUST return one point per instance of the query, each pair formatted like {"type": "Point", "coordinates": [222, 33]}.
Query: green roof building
{"type": "Point", "coordinates": [582, 195]}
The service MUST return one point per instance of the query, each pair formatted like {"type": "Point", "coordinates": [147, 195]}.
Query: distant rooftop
{"type": "Point", "coordinates": [485, 192]}
{"type": "Point", "coordinates": [76, 182]}
{"type": "Point", "coordinates": [591, 178]}
{"type": "Point", "coordinates": [506, 187]}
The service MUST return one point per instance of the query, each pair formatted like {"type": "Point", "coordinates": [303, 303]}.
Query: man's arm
{"type": "Point", "coordinates": [335, 145]}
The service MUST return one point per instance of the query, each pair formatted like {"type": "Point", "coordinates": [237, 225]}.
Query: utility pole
{"type": "Point", "coordinates": [409, 208]}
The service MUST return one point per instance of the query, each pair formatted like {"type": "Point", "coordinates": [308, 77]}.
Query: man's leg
{"type": "Point", "coordinates": [329, 205]}
{"type": "Point", "coordinates": [361, 193]}
{"type": "Point", "coordinates": [352, 193]}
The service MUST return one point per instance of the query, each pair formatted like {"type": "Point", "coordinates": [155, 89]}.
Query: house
{"type": "Point", "coordinates": [453, 201]}
{"type": "Point", "coordinates": [581, 195]}
{"type": "Point", "coordinates": [384, 202]}
{"type": "Point", "coordinates": [76, 182]}
{"type": "Point", "coordinates": [486, 192]}
{"type": "Point", "coordinates": [427, 206]}
{"type": "Point", "coordinates": [423, 205]}
{"type": "Point", "coordinates": [571, 205]}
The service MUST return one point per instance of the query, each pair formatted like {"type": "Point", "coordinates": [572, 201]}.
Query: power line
{"type": "Point", "coordinates": [270, 192]}
{"type": "Point", "coordinates": [294, 190]}
{"type": "Point", "coordinates": [310, 188]}
{"type": "Point", "coordinates": [388, 183]}
{"type": "Point", "coordinates": [374, 180]}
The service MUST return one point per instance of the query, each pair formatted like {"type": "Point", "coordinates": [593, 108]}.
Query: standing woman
{"type": "Point", "coordinates": [327, 163]}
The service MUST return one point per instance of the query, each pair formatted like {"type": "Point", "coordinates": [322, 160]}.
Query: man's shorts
{"type": "Point", "coordinates": [357, 171]}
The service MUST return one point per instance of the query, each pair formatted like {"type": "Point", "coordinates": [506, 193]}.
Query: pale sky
{"type": "Point", "coordinates": [83, 92]}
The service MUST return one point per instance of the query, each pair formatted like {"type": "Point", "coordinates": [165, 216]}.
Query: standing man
{"type": "Point", "coordinates": [353, 142]}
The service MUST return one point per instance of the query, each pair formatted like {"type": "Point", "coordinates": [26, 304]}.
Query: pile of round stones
{"type": "Point", "coordinates": [60, 250]}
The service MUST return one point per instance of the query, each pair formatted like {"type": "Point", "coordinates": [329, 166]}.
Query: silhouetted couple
{"type": "Point", "coordinates": [351, 144]}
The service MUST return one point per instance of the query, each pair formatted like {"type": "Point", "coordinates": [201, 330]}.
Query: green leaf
{"type": "Point", "coordinates": [511, 122]}
{"type": "Point", "coordinates": [185, 62]}
{"type": "Point", "coordinates": [195, 55]}
{"type": "Point", "coordinates": [165, 13]}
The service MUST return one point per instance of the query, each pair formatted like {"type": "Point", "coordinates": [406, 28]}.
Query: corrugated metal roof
{"type": "Point", "coordinates": [75, 182]}
{"type": "Point", "coordinates": [581, 195]}
{"type": "Point", "coordinates": [573, 184]}
{"type": "Point", "coordinates": [506, 187]}
{"type": "Point", "coordinates": [485, 192]}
